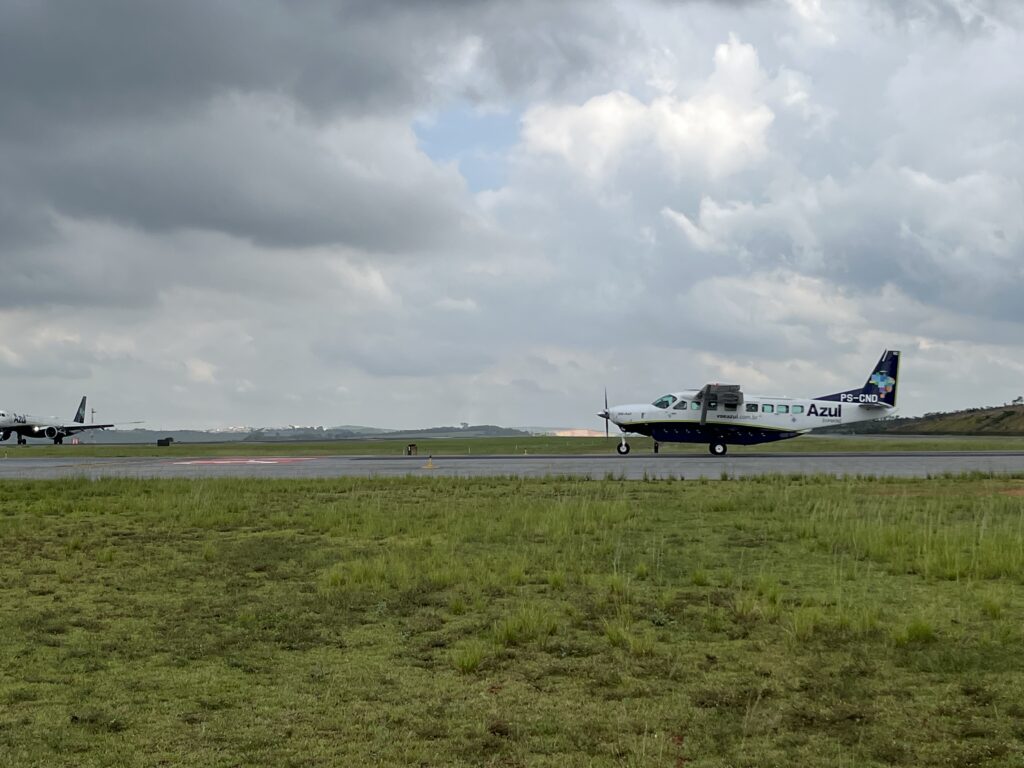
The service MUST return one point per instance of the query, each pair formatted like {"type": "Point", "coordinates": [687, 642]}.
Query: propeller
{"type": "Point", "coordinates": [604, 414]}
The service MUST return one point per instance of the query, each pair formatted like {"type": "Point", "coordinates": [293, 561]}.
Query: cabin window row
{"type": "Point", "coordinates": [770, 408]}
{"type": "Point", "coordinates": [693, 405]}
{"type": "Point", "coordinates": [682, 405]}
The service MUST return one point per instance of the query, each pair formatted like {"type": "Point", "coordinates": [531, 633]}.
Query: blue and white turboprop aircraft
{"type": "Point", "coordinates": [722, 414]}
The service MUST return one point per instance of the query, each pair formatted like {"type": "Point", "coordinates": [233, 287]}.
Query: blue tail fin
{"type": "Point", "coordinates": [80, 416]}
{"type": "Point", "coordinates": [883, 381]}
{"type": "Point", "coordinates": [880, 388]}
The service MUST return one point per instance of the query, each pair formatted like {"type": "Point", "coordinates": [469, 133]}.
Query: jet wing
{"type": "Point", "coordinates": [72, 428]}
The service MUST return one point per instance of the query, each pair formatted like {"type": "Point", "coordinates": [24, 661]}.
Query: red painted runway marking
{"type": "Point", "coordinates": [288, 460]}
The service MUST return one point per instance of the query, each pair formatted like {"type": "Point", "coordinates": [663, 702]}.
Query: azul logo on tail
{"type": "Point", "coordinates": [883, 381]}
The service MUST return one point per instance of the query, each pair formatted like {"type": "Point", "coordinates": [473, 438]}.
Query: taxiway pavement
{"type": "Point", "coordinates": [633, 467]}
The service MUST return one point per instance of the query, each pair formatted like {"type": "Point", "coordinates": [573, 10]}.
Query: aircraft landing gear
{"type": "Point", "coordinates": [623, 447]}
{"type": "Point", "coordinates": [58, 441]}
{"type": "Point", "coordinates": [22, 440]}
{"type": "Point", "coordinates": [718, 449]}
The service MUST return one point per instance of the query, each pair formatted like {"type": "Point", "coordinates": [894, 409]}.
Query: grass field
{"type": "Point", "coordinates": [767, 622]}
{"type": "Point", "coordinates": [513, 445]}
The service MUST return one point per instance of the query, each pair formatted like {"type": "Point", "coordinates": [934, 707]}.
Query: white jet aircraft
{"type": "Point", "coordinates": [23, 425]}
{"type": "Point", "coordinates": [722, 415]}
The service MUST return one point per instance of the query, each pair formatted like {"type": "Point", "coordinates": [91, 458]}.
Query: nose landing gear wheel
{"type": "Point", "coordinates": [718, 449]}
{"type": "Point", "coordinates": [622, 448]}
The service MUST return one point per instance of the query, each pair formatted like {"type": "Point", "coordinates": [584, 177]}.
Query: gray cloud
{"type": "Point", "coordinates": [65, 62]}
{"type": "Point", "coordinates": [220, 213]}
{"type": "Point", "coordinates": [252, 171]}
{"type": "Point", "coordinates": [192, 116]}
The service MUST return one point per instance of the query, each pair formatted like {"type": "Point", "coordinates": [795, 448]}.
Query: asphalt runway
{"type": "Point", "coordinates": [633, 467]}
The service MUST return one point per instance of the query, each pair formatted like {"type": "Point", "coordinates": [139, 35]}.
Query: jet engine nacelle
{"type": "Point", "coordinates": [50, 432]}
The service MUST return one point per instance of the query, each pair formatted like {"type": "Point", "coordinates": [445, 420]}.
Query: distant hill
{"type": "Point", "coordinates": [999, 420]}
{"type": "Point", "coordinates": [120, 436]}
{"type": "Point", "coordinates": [303, 434]}
{"type": "Point", "coordinates": [480, 430]}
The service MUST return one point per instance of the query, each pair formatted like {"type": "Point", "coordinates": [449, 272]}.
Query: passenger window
{"type": "Point", "coordinates": [751, 407]}
{"type": "Point", "coordinates": [694, 406]}
{"type": "Point", "coordinates": [783, 409]}
{"type": "Point", "coordinates": [767, 409]}
{"type": "Point", "coordinates": [798, 409]}
{"type": "Point", "coordinates": [682, 405]}
{"type": "Point", "coordinates": [712, 406]}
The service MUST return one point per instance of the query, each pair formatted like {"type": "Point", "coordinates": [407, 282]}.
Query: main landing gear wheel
{"type": "Point", "coordinates": [622, 448]}
{"type": "Point", "coordinates": [718, 449]}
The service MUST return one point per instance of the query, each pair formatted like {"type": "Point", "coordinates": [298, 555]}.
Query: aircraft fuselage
{"type": "Point", "coordinates": [757, 420]}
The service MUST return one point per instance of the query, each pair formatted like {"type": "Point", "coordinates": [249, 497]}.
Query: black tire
{"type": "Point", "coordinates": [622, 448]}
{"type": "Point", "coordinates": [718, 449]}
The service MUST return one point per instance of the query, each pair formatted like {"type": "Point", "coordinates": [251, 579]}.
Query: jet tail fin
{"type": "Point", "coordinates": [879, 389]}
{"type": "Point", "coordinates": [80, 416]}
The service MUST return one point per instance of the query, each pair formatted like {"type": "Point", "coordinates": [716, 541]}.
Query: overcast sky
{"type": "Point", "coordinates": [402, 214]}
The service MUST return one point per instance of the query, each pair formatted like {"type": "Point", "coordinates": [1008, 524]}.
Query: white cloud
{"type": "Point", "coordinates": [700, 238]}
{"type": "Point", "coordinates": [719, 130]}
{"type": "Point", "coordinates": [200, 371]}
{"type": "Point", "coordinates": [449, 304]}
{"type": "Point", "coordinates": [816, 26]}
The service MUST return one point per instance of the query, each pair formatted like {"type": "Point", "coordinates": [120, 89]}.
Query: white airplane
{"type": "Point", "coordinates": [23, 425]}
{"type": "Point", "coordinates": [722, 415]}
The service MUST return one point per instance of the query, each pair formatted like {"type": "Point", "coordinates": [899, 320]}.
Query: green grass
{"type": "Point", "coordinates": [536, 445]}
{"type": "Point", "coordinates": [763, 622]}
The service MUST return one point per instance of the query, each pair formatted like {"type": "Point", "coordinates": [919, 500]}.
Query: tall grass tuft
{"type": "Point", "coordinates": [804, 622]}
{"type": "Point", "coordinates": [468, 657]}
{"type": "Point", "coordinates": [699, 577]}
{"type": "Point", "coordinates": [529, 623]}
{"type": "Point", "coordinates": [919, 631]}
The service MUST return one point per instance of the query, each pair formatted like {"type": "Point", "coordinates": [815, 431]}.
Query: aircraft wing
{"type": "Point", "coordinates": [70, 429]}
{"type": "Point", "coordinates": [727, 394]}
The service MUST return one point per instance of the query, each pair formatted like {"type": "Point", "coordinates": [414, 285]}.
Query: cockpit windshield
{"type": "Point", "coordinates": [664, 401]}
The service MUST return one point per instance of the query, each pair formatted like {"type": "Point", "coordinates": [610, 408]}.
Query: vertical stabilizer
{"type": "Point", "coordinates": [883, 381]}
{"type": "Point", "coordinates": [80, 416]}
